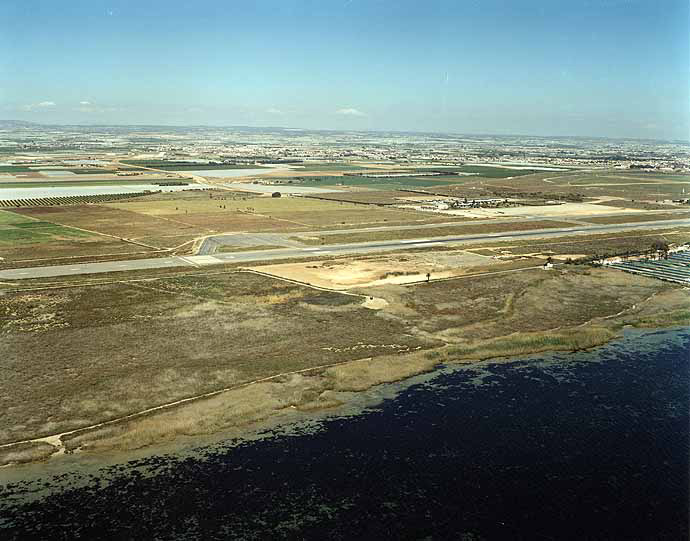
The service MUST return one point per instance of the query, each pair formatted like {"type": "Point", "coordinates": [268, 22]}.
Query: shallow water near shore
{"type": "Point", "coordinates": [557, 446]}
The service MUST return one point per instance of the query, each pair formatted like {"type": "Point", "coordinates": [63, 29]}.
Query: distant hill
{"type": "Point", "coordinates": [9, 124]}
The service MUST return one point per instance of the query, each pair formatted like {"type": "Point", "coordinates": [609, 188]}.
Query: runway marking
{"type": "Point", "coordinates": [202, 260]}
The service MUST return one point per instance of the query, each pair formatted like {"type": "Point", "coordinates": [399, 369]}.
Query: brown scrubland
{"type": "Point", "coordinates": [74, 357]}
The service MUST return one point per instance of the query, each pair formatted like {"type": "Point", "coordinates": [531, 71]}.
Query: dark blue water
{"type": "Point", "coordinates": [586, 446]}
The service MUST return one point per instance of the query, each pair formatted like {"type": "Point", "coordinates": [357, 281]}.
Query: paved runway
{"type": "Point", "coordinates": [319, 251]}
{"type": "Point", "coordinates": [213, 243]}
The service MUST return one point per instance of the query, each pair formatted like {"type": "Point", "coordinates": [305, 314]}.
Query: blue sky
{"type": "Point", "coordinates": [616, 68]}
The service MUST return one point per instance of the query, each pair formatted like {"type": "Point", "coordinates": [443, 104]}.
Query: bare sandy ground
{"type": "Point", "coordinates": [403, 269]}
{"type": "Point", "coordinates": [507, 254]}
{"type": "Point", "coordinates": [562, 211]}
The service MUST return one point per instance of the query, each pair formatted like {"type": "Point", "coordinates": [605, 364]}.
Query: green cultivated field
{"type": "Point", "coordinates": [485, 172]}
{"type": "Point", "coordinates": [15, 229]}
{"type": "Point", "coordinates": [182, 166]}
{"type": "Point", "coordinates": [14, 169]}
{"type": "Point", "coordinates": [27, 242]}
{"type": "Point", "coordinates": [10, 218]}
{"type": "Point", "coordinates": [373, 183]}
{"type": "Point", "coordinates": [330, 167]}
{"type": "Point", "coordinates": [94, 171]}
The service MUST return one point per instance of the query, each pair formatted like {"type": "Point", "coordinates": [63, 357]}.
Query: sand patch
{"type": "Point", "coordinates": [403, 269]}
{"type": "Point", "coordinates": [374, 303]}
{"type": "Point", "coordinates": [562, 211]}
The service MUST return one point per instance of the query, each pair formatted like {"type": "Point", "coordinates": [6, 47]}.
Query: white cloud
{"type": "Point", "coordinates": [84, 103]}
{"type": "Point", "coordinates": [40, 105]}
{"type": "Point", "coordinates": [350, 111]}
{"type": "Point", "coordinates": [274, 111]}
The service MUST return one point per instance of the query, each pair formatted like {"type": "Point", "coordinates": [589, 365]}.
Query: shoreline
{"type": "Point", "coordinates": [461, 404]}
{"type": "Point", "coordinates": [244, 406]}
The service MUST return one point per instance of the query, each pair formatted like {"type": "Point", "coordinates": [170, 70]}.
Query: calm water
{"type": "Point", "coordinates": [586, 446]}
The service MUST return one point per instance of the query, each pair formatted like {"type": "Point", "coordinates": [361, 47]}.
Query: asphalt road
{"type": "Point", "coordinates": [310, 252]}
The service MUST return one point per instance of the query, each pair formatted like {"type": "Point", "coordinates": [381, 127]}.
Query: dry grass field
{"type": "Point", "coordinates": [76, 356]}
{"type": "Point", "coordinates": [166, 221]}
{"type": "Point", "coordinates": [622, 184]}
{"type": "Point", "coordinates": [88, 349]}
{"type": "Point", "coordinates": [584, 246]}
{"type": "Point", "coordinates": [650, 217]}
{"type": "Point", "coordinates": [367, 197]}
{"type": "Point", "coordinates": [281, 214]}
{"type": "Point", "coordinates": [638, 205]}
{"type": "Point", "coordinates": [466, 310]}
{"type": "Point", "coordinates": [118, 222]}
{"type": "Point", "coordinates": [468, 229]}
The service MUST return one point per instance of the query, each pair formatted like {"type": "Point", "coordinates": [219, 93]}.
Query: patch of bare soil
{"type": "Point", "coordinates": [380, 270]}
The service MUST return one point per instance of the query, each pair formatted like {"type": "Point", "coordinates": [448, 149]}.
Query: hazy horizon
{"type": "Point", "coordinates": [613, 69]}
{"type": "Point", "coordinates": [373, 131]}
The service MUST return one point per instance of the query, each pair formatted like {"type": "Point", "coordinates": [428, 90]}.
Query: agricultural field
{"type": "Point", "coordinates": [503, 182]}
{"type": "Point", "coordinates": [15, 169]}
{"type": "Point", "coordinates": [68, 199]}
{"type": "Point", "coordinates": [487, 171]}
{"type": "Point", "coordinates": [482, 171]}
{"type": "Point", "coordinates": [70, 182]}
{"type": "Point", "coordinates": [27, 241]}
{"type": "Point", "coordinates": [157, 232]}
{"type": "Point", "coordinates": [366, 197]}
{"type": "Point", "coordinates": [372, 183]}
{"type": "Point", "coordinates": [170, 220]}
{"type": "Point", "coordinates": [277, 214]}
{"type": "Point", "coordinates": [329, 166]}
{"type": "Point", "coordinates": [369, 197]}
{"type": "Point", "coordinates": [185, 166]}
{"type": "Point", "coordinates": [90, 171]}
{"type": "Point", "coordinates": [591, 184]}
